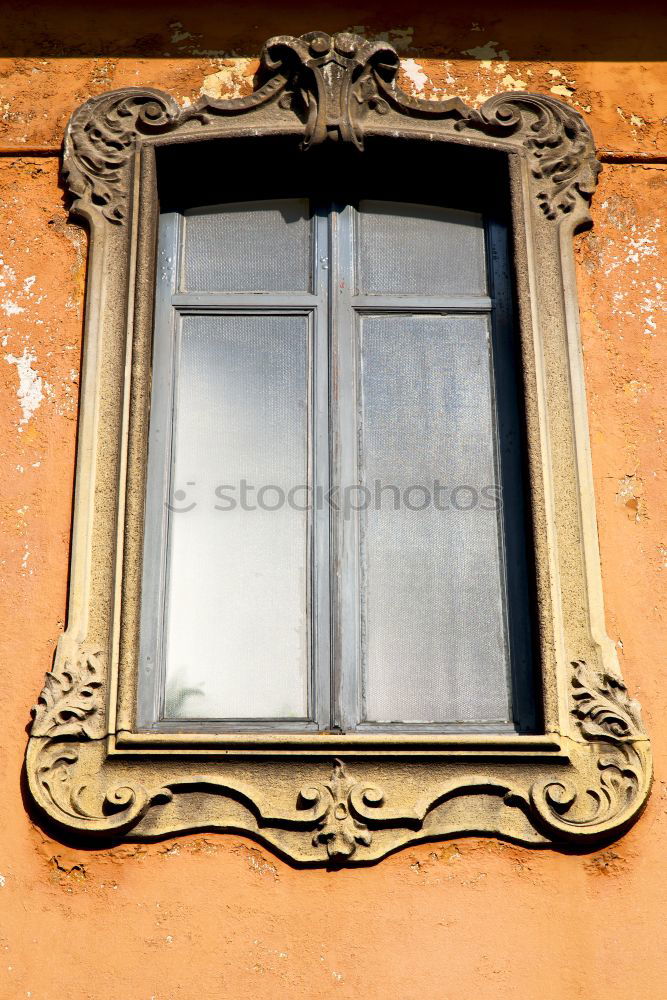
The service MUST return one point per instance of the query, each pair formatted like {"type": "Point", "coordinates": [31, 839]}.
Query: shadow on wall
{"type": "Point", "coordinates": [479, 30]}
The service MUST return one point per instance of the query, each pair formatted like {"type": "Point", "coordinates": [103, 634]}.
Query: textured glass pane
{"type": "Point", "coordinates": [236, 632]}
{"type": "Point", "coordinates": [420, 250]}
{"type": "Point", "coordinates": [261, 246]}
{"type": "Point", "coordinates": [433, 641]}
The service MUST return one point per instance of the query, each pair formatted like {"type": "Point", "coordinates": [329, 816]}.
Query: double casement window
{"type": "Point", "coordinates": [335, 528]}
{"type": "Point", "coordinates": [334, 578]}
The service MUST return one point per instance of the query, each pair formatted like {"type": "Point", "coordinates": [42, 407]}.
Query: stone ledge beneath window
{"type": "Point", "coordinates": [351, 809]}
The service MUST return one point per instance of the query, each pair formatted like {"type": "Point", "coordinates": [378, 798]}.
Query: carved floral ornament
{"type": "Point", "coordinates": [587, 776]}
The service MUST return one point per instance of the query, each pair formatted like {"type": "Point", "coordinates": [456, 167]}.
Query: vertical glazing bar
{"type": "Point", "coordinates": [156, 522]}
{"type": "Point", "coordinates": [319, 477]}
{"type": "Point", "coordinates": [346, 687]}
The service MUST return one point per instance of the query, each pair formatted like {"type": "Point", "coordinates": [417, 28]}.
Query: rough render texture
{"type": "Point", "coordinates": [215, 915]}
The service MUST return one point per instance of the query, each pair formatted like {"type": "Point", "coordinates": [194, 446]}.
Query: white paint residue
{"type": "Point", "coordinates": [10, 303]}
{"type": "Point", "coordinates": [30, 391]}
{"type": "Point", "coordinates": [562, 91]}
{"type": "Point", "coordinates": [513, 83]}
{"type": "Point", "coordinates": [2, 881]}
{"type": "Point", "coordinates": [11, 308]}
{"type": "Point", "coordinates": [636, 246]}
{"type": "Point", "coordinates": [415, 74]}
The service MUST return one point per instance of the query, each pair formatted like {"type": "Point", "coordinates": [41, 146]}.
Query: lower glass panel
{"type": "Point", "coordinates": [236, 636]}
{"type": "Point", "coordinates": [433, 630]}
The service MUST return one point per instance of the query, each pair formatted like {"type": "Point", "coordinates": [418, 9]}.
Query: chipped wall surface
{"type": "Point", "coordinates": [214, 915]}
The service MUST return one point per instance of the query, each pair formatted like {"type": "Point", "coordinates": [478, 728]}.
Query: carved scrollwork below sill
{"type": "Point", "coordinates": [595, 795]}
{"type": "Point", "coordinates": [602, 798]}
{"type": "Point", "coordinates": [341, 827]}
{"type": "Point", "coordinates": [58, 786]}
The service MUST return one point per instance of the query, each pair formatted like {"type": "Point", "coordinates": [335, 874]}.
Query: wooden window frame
{"type": "Point", "coordinates": [312, 797]}
{"type": "Point", "coordinates": [335, 669]}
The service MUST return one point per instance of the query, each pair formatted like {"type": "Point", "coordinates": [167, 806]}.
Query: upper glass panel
{"type": "Point", "coordinates": [262, 246]}
{"type": "Point", "coordinates": [420, 250]}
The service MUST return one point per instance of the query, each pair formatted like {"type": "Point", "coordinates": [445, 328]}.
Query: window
{"type": "Point", "coordinates": [325, 290]}
{"type": "Point", "coordinates": [334, 405]}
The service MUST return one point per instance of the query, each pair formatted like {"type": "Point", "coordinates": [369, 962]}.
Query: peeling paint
{"type": "Point", "coordinates": [178, 34]}
{"type": "Point", "coordinates": [30, 392]}
{"type": "Point", "coordinates": [513, 83]}
{"type": "Point", "coordinates": [415, 74]}
{"type": "Point", "coordinates": [231, 80]}
{"type": "Point", "coordinates": [629, 493]}
{"type": "Point", "coordinates": [487, 53]}
{"type": "Point", "coordinates": [400, 38]}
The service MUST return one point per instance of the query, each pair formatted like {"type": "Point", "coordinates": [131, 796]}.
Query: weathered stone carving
{"type": "Point", "coordinates": [587, 776]}
{"type": "Point", "coordinates": [62, 787]}
{"type": "Point", "coordinates": [559, 143]}
{"type": "Point", "coordinates": [331, 84]}
{"type": "Point", "coordinates": [100, 140]}
{"type": "Point", "coordinates": [601, 791]}
{"type": "Point", "coordinates": [72, 701]}
{"type": "Point", "coordinates": [602, 706]}
{"type": "Point", "coordinates": [341, 827]}
{"type": "Point", "coordinates": [614, 778]}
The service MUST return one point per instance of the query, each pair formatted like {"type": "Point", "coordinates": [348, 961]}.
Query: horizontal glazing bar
{"type": "Point", "coordinates": [243, 300]}
{"type": "Point", "coordinates": [424, 303]}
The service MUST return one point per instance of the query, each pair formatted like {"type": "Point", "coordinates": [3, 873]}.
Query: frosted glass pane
{"type": "Point", "coordinates": [433, 638]}
{"type": "Point", "coordinates": [420, 250]}
{"type": "Point", "coordinates": [261, 246]}
{"type": "Point", "coordinates": [236, 623]}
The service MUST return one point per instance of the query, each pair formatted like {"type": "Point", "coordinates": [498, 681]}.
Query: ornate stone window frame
{"type": "Point", "coordinates": [315, 797]}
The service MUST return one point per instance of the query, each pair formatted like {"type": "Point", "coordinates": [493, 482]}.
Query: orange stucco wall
{"type": "Point", "coordinates": [216, 916]}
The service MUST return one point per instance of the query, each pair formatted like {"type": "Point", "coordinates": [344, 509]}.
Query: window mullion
{"type": "Point", "coordinates": [345, 564]}
{"type": "Point", "coordinates": [319, 481]}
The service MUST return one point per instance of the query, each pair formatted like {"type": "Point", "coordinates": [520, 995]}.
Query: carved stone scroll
{"type": "Point", "coordinates": [331, 84]}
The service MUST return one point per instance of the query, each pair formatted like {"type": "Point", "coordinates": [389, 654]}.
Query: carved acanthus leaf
{"type": "Point", "coordinates": [72, 700]}
{"type": "Point", "coordinates": [100, 141]}
{"type": "Point", "coordinates": [558, 141]}
{"type": "Point", "coordinates": [606, 798]}
{"type": "Point", "coordinates": [602, 706]}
